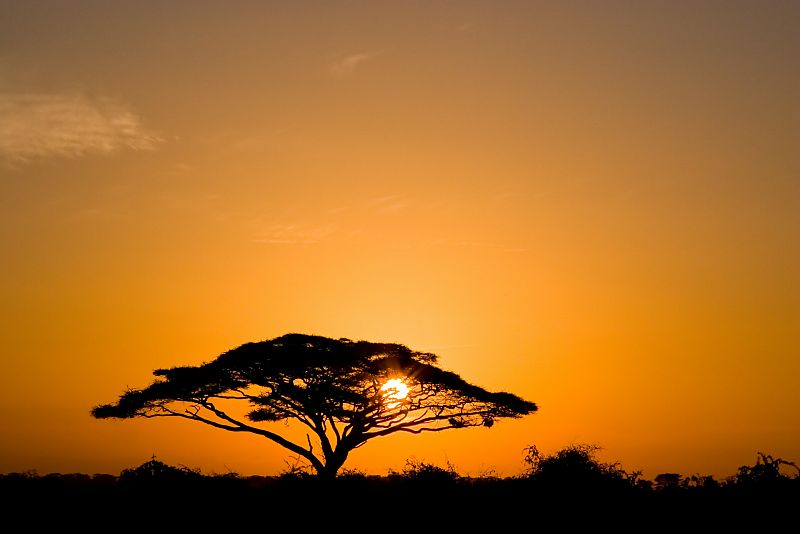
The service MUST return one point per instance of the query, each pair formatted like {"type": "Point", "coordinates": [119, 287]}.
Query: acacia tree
{"type": "Point", "coordinates": [345, 392]}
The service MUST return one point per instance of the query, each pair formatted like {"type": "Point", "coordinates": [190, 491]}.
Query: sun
{"type": "Point", "coordinates": [395, 389]}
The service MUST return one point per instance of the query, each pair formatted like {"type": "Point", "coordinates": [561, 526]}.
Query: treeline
{"type": "Point", "coordinates": [575, 467]}
{"type": "Point", "coordinates": [571, 484]}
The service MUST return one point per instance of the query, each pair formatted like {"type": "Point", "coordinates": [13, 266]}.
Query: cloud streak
{"type": "Point", "coordinates": [295, 234]}
{"type": "Point", "coordinates": [36, 126]}
{"type": "Point", "coordinates": [347, 65]}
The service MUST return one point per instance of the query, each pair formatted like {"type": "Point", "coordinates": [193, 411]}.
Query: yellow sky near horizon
{"type": "Point", "coordinates": [591, 205]}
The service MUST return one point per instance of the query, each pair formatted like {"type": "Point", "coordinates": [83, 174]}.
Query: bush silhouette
{"type": "Point", "coordinates": [575, 467]}
{"type": "Point", "coordinates": [423, 472]}
{"type": "Point", "coordinates": [766, 471]}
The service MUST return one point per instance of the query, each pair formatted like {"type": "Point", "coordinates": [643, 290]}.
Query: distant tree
{"type": "Point", "coordinates": [767, 470]}
{"type": "Point", "coordinates": [707, 482]}
{"type": "Point", "coordinates": [668, 481]}
{"type": "Point", "coordinates": [345, 392]}
{"type": "Point", "coordinates": [156, 471]}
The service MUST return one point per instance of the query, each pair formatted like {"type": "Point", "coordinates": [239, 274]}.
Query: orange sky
{"type": "Point", "coordinates": [592, 205]}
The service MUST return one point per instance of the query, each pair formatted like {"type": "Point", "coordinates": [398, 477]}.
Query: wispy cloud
{"type": "Point", "coordinates": [42, 125]}
{"type": "Point", "coordinates": [388, 204]}
{"type": "Point", "coordinates": [488, 245]}
{"type": "Point", "coordinates": [347, 65]}
{"type": "Point", "coordinates": [294, 234]}
{"type": "Point", "coordinates": [339, 223]}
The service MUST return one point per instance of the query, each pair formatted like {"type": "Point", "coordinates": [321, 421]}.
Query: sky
{"type": "Point", "coordinates": [593, 205]}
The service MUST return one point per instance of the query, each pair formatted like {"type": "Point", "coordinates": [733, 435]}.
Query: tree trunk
{"type": "Point", "coordinates": [332, 466]}
{"type": "Point", "coordinates": [327, 473]}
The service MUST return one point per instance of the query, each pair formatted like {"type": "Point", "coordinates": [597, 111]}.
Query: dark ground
{"type": "Point", "coordinates": [570, 493]}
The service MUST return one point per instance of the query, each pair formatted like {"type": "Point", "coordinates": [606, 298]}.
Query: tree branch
{"type": "Point", "coordinates": [243, 427]}
{"type": "Point", "coordinates": [409, 427]}
{"type": "Point", "coordinates": [335, 431]}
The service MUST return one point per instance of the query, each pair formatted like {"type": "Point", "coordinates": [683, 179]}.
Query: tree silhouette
{"type": "Point", "coordinates": [345, 392]}
{"type": "Point", "coordinates": [767, 470]}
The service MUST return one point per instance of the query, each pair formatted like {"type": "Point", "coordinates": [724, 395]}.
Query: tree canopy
{"type": "Point", "coordinates": [345, 392]}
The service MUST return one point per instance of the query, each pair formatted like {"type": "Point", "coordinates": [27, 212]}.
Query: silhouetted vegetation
{"type": "Point", "coordinates": [345, 392]}
{"type": "Point", "coordinates": [571, 486]}
{"type": "Point", "coordinates": [573, 466]}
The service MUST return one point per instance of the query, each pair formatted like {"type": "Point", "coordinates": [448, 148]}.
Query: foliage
{"type": "Point", "coordinates": [667, 481]}
{"type": "Point", "coordinates": [420, 471]}
{"type": "Point", "coordinates": [767, 470]}
{"type": "Point", "coordinates": [575, 466]}
{"type": "Point", "coordinates": [156, 471]}
{"type": "Point", "coordinates": [296, 468]}
{"type": "Point", "coordinates": [580, 493]}
{"type": "Point", "coordinates": [335, 387]}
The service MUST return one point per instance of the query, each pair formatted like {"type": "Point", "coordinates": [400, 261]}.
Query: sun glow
{"type": "Point", "coordinates": [395, 389]}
